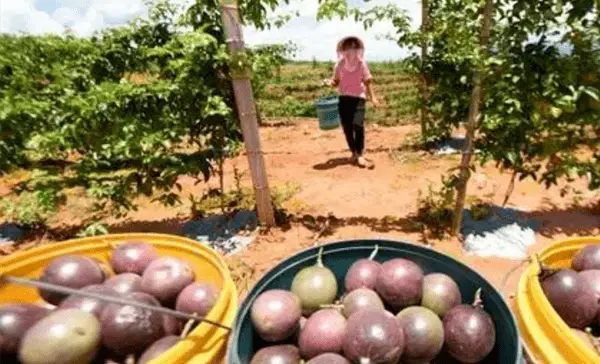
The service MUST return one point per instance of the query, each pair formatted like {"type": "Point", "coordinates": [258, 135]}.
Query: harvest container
{"type": "Point", "coordinates": [340, 256]}
{"type": "Point", "coordinates": [328, 113]}
{"type": "Point", "coordinates": [205, 344]}
{"type": "Point", "coordinates": [546, 336]}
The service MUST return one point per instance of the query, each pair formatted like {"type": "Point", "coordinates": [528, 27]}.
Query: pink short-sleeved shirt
{"type": "Point", "coordinates": [352, 83]}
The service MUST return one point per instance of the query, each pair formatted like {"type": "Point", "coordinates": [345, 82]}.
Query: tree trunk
{"type": "Point", "coordinates": [472, 120]}
{"type": "Point", "coordinates": [424, 76]}
{"type": "Point", "coordinates": [246, 107]}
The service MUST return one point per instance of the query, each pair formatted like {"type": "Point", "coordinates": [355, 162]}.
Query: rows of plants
{"type": "Point", "coordinates": [521, 75]}
{"type": "Point", "coordinates": [125, 112]}
{"type": "Point", "coordinates": [293, 93]}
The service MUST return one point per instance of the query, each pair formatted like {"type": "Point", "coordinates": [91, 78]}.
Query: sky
{"type": "Point", "coordinates": [315, 39]}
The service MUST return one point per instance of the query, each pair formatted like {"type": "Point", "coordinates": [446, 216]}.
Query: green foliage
{"type": "Point", "coordinates": [32, 209]}
{"type": "Point", "coordinates": [435, 207]}
{"type": "Point", "coordinates": [126, 112]}
{"type": "Point", "coordinates": [300, 85]}
{"type": "Point", "coordinates": [95, 228]}
{"type": "Point", "coordinates": [239, 198]}
{"type": "Point", "coordinates": [540, 116]}
{"type": "Point", "coordinates": [267, 61]}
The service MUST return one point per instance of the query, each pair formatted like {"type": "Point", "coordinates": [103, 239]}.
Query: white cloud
{"type": "Point", "coordinates": [315, 39]}
{"type": "Point", "coordinates": [91, 21]}
{"type": "Point", "coordinates": [318, 39]}
{"type": "Point", "coordinates": [119, 9]}
{"type": "Point", "coordinates": [83, 17]}
{"type": "Point", "coordinates": [22, 16]}
{"type": "Point", "coordinates": [65, 16]}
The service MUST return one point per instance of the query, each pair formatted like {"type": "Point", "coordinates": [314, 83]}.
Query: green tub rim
{"type": "Point", "coordinates": [354, 243]}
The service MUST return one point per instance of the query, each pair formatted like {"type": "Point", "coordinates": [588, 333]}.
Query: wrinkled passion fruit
{"type": "Point", "coordinates": [129, 329]}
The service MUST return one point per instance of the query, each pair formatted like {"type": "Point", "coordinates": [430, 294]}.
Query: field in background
{"type": "Point", "coordinates": [291, 95]}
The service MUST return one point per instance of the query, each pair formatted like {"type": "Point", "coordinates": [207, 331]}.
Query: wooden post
{"type": "Point", "coordinates": [472, 120]}
{"type": "Point", "coordinates": [424, 76]}
{"type": "Point", "coordinates": [246, 106]}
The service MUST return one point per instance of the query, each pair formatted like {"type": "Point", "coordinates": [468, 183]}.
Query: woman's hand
{"type": "Point", "coordinates": [375, 102]}
{"type": "Point", "coordinates": [327, 82]}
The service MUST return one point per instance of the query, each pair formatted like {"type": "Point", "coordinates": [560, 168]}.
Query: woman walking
{"type": "Point", "coordinates": [353, 79]}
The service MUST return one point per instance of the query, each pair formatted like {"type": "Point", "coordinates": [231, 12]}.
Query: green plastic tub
{"type": "Point", "coordinates": [243, 342]}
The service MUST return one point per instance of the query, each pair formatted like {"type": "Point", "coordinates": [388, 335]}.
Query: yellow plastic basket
{"type": "Point", "coordinates": [546, 336]}
{"type": "Point", "coordinates": [205, 344]}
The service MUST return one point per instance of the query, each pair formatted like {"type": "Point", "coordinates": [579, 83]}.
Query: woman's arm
{"type": "Point", "coordinates": [371, 93]}
{"type": "Point", "coordinates": [335, 80]}
{"type": "Point", "coordinates": [368, 81]}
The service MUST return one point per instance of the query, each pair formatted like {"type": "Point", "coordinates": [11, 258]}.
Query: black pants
{"type": "Point", "coordinates": [352, 115]}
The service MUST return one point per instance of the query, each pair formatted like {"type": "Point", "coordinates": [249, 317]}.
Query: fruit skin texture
{"type": "Point", "coordinates": [276, 315]}
{"type": "Point", "coordinates": [362, 274]}
{"type": "Point", "coordinates": [279, 354]}
{"type": "Point", "coordinates": [423, 332]}
{"type": "Point", "coordinates": [359, 299]}
{"type": "Point", "coordinates": [160, 346]}
{"type": "Point", "coordinates": [166, 277]}
{"type": "Point", "coordinates": [67, 337]}
{"type": "Point", "coordinates": [105, 267]}
{"type": "Point", "coordinates": [587, 258]}
{"type": "Point", "coordinates": [329, 358]}
{"type": "Point", "coordinates": [128, 329]}
{"type": "Point", "coordinates": [323, 333]}
{"type": "Point", "coordinates": [73, 271]}
{"type": "Point", "coordinates": [15, 320]}
{"type": "Point", "coordinates": [197, 298]}
{"type": "Point", "coordinates": [125, 283]}
{"type": "Point", "coordinates": [470, 334]}
{"type": "Point", "coordinates": [373, 337]}
{"type": "Point", "coordinates": [89, 304]}
{"type": "Point", "coordinates": [571, 297]}
{"type": "Point", "coordinates": [172, 325]}
{"type": "Point", "coordinates": [132, 257]}
{"type": "Point", "coordinates": [315, 286]}
{"type": "Point", "coordinates": [440, 293]}
{"type": "Point", "coordinates": [592, 276]}
{"type": "Point", "coordinates": [400, 283]}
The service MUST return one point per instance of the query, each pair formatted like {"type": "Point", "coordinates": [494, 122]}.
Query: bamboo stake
{"type": "Point", "coordinates": [465, 165]}
{"type": "Point", "coordinates": [70, 291]}
{"type": "Point", "coordinates": [246, 106]}
{"type": "Point", "coordinates": [424, 77]}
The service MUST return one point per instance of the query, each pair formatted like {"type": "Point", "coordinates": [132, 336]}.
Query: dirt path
{"type": "Point", "coordinates": [367, 203]}
{"type": "Point", "coordinates": [362, 199]}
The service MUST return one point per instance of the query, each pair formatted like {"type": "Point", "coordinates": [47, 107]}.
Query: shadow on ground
{"type": "Point", "coordinates": [324, 226]}
{"type": "Point", "coordinates": [167, 226]}
{"type": "Point", "coordinates": [332, 163]}
{"type": "Point", "coordinates": [570, 221]}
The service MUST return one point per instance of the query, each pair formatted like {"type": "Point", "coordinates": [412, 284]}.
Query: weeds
{"type": "Point", "coordinates": [480, 210]}
{"type": "Point", "coordinates": [240, 198]}
{"type": "Point", "coordinates": [96, 228]}
{"type": "Point", "coordinates": [32, 209]}
{"type": "Point", "coordinates": [435, 211]}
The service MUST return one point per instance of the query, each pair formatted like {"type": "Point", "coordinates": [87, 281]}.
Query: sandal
{"type": "Point", "coordinates": [364, 162]}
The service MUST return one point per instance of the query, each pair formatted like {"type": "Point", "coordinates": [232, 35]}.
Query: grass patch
{"type": "Point", "coordinates": [292, 95]}
{"type": "Point", "coordinates": [239, 198]}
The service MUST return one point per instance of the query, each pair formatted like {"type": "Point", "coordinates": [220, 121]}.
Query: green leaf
{"type": "Point", "coordinates": [556, 112]}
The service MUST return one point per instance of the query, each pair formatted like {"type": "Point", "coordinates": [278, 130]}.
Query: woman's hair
{"type": "Point", "coordinates": [350, 43]}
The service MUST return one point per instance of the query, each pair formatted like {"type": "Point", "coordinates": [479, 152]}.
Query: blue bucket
{"type": "Point", "coordinates": [328, 113]}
